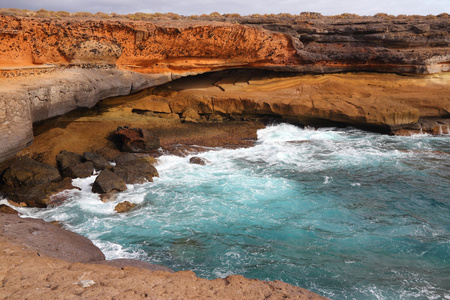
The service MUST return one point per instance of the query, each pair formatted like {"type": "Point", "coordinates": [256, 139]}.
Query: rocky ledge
{"type": "Point", "coordinates": [51, 66]}
{"type": "Point", "coordinates": [72, 267]}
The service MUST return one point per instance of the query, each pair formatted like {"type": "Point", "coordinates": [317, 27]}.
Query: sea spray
{"type": "Point", "coordinates": [345, 213]}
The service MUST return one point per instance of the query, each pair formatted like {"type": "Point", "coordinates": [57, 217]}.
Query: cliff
{"type": "Point", "coordinates": [51, 66]}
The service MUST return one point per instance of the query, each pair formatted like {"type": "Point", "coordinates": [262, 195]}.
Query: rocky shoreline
{"type": "Point", "coordinates": [71, 267]}
{"type": "Point", "coordinates": [68, 84]}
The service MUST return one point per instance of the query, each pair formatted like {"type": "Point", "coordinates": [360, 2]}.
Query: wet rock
{"type": "Point", "coordinates": [25, 171]}
{"type": "Point", "coordinates": [123, 207]}
{"type": "Point", "coordinates": [40, 195]}
{"type": "Point", "coordinates": [108, 197]}
{"type": "Point", "coordinates": [5, 209]}
{"type": "Point", "coordinates": [136, 140]}
{"type": "Point", "coordinates": [136, 171]}
{"type": "Point", "coordinates": [74, 165]}
{"type": "Point", "coordinates": [198, 160]}
{"type": "Point", "coordinates": [108, 181]}
{"type": "Point", "coordinates": [100, 163]}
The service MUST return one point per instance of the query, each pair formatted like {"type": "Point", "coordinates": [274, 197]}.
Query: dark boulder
{"type": "Point", "coordinates": [81, 170]}
{"type": "Point", "coordinates": [66, 159]}
{"type": "Point", "coordinates": [74, 165]}
{"type": "Point", "coordinates": [25, 171]}
{"type": "Point", "coordinates": [136, 140]}
{"type": "Point", "coordinates": [100, 163]}
{"type": "Point", "coordinates": [136, 171]}
{"type": "Point", "coordinates": [124, 157]}
{"type": "Point", "coordinates": [41, 195]}
{"type": "Point", "coordinates": [198, 160]}
{"type": "Point", "coordinates": [107, 182]}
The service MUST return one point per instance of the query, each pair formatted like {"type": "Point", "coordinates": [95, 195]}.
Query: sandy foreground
{"type": "Point", "coordinates": [38, 260]}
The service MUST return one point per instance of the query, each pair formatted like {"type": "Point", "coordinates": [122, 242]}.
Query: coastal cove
{"type": "Point", "coordinates": [341, 212]}
{"type": "Point", "coordinates": [224, 157]}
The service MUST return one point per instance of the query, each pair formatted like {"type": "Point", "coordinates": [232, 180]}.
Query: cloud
{"type": "Point", "coordinates": [197, 7]}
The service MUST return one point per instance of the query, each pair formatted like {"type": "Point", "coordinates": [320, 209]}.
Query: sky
{"type": "Point", "coordinates": [243, 7]}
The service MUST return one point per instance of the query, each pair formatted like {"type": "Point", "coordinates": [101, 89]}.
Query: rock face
{"type": "Point", "coordinates": [51, 66]}
{"type": "Point", "coordinates": [311, 45]}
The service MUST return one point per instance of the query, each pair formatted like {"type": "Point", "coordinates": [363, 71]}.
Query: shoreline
{"type": "Point", "coordinates": [26, 272]}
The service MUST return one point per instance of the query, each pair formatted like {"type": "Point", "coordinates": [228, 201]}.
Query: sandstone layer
{"type": "Point", "coordinates": [49, 67]}
{"type": "Point", "coordinates": [31, 269]}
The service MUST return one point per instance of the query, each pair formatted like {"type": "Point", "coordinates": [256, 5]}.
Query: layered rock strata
{"type": "Point", "coordinates": [52, 66]}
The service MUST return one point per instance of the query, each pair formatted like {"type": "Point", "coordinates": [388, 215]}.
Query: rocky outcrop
{"type": "Point", "coordinates": [308, 45]}
{"type": "Point", "coordinates": [28, 100]}
{"type": "Point", "coordinates": [382, 102]}
{"type": "Point", "coordinates": [50, 240]}
{"type": "Point", "coordinates": [43, 261]}
{"type": "Point", "coordinates": [136, 140]}
{"type": "Point", "coordinates": [80, 62]}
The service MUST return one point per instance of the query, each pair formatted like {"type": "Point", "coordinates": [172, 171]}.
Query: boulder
{"type": "Point", "coordinates": [136, 140]}
{"type": "Point", "coordinates": [100, 163]}
{"type": "Point", "coordinates": [25, 171]}
{"type": "Point", "coordinates": [49, 240]}
{"type": "Point", "coordinates": [124, 157]}
{"type": "Point", "coordinates": [74, 165]}
{"type": "Point", "coordinates": [123, 207]}
{"type": "Point", "coordinates": [136, 171]}
{"type": "Point", "coordinates": [81, 170]}
{"type": "Point", "coordinates": [41, 195]}
{"type": "Point", "coordinates": [198, 160]}
{"type": "Point", "coordinates": [190, 114]}
{"type": "Point", "coordinates": [5, 209]}
{"type": "Point", "coordinates": [107, 182]}
{"type": "Point", "coordinates": [66, 159]}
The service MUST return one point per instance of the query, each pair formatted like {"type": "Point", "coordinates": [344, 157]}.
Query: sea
{"type": "Point", "coordinates": [342, 212]}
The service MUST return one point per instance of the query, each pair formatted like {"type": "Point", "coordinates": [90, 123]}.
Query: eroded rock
{"type": "Point", "coordinates": [136, 140]}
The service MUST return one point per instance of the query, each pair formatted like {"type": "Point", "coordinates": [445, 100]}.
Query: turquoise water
{"type": "Point", "coordinates": [342, 212]}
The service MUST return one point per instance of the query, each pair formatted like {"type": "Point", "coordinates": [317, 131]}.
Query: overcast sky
{"type": "Point", "coordinates": [243, 7]}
